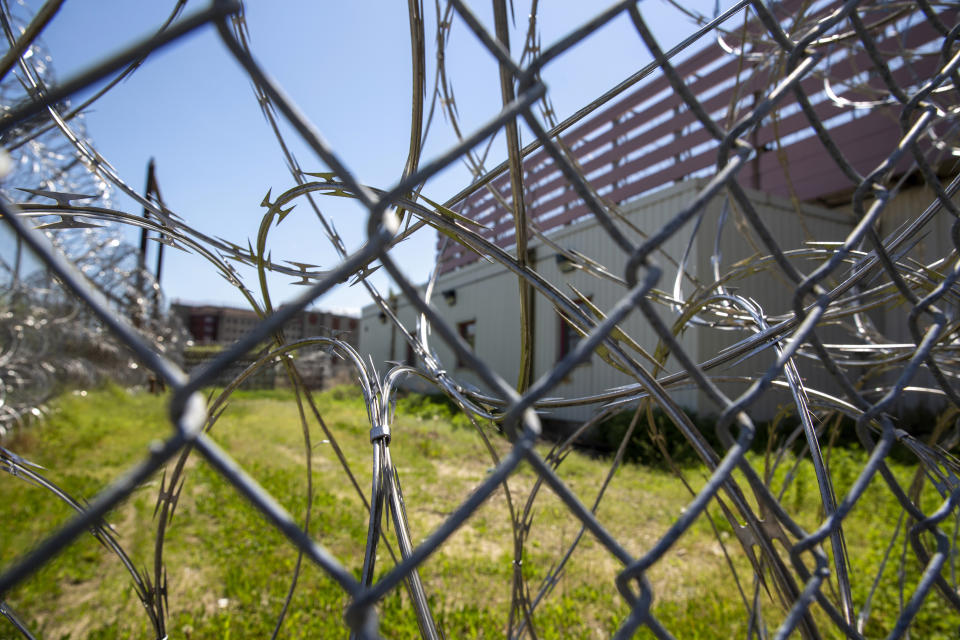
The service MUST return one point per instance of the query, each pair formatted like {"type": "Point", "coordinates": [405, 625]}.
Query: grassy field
{"type": "Point", "coordinates": [228, 572]}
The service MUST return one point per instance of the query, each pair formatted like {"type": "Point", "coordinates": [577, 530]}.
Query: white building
{"type": "Point", "coordinates": [481, 300]}
{"type": "Point", "coordinates": [649, 154]}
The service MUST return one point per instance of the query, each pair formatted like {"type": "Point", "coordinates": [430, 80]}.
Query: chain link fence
{"type": "Point", "coordinates": [786, 54]}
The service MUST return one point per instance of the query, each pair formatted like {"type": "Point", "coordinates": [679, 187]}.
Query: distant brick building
{"type": "Point", "coordinates": [214, 324]}
{"type": "Point", "coordinates": [221, 326]}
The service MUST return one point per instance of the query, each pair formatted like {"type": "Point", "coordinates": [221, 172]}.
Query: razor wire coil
{"type": "Point", "coordinates": [796, 51]}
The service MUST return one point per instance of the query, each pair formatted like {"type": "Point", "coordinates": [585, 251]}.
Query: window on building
{"type": "Point", "coordinates": [569, 337]}
{"type": "Point", "coordinates": [209, 328]}
{"type": "Point", "coordinates": [467, 331]}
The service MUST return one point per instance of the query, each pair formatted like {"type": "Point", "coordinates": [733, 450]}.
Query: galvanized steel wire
{"type": "Point", "coordinates": [849, 278]}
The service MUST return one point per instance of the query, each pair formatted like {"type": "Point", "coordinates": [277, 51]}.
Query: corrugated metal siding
{"type": "Point", "coordinates": [648, 214]}
{"type": "Point", "coordinates": [933, 243]}
{"type": "Point", "coordinates": [792, 227]}
{"type": "Point", "coordinates": [930, 245]}
{"type": "Point", "coordinates": [490, 294]}
{"type": "Point", "coordinates": [486, 294]}
{"type": "Point", "coordinates": [490, 299]}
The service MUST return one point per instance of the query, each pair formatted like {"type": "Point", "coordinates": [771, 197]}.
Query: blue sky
{"type": "Point", "coordinates": [346, 64]}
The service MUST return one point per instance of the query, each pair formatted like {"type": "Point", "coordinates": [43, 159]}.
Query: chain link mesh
{"type": "Point", "coordinates": [794, 53]}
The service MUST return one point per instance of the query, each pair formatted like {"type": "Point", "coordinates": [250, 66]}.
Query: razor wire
{"type": "Point", "coordinates": [795, 45]}
{"type": "Point", "coordinates": [52, 342]}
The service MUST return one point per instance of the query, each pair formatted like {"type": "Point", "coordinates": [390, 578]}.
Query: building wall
{"type": "Point", "coordinates": [235, 323]}
{"type": "Point", "coordinates": [595, 376]}
{"type": "Point", "coordinates": [796, 228]}
{"type": "Point", "coordinates": [489, 295]}
{"type": "Point", "coordinates": [214, 324]}
{"type": "Point", "coordinates": [932, 247]}
{"type": "Point", "coordinates": [485, 295]}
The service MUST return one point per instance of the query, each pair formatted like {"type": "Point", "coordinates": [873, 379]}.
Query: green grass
{"type": "Point", "coordinates": [229, 572]}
